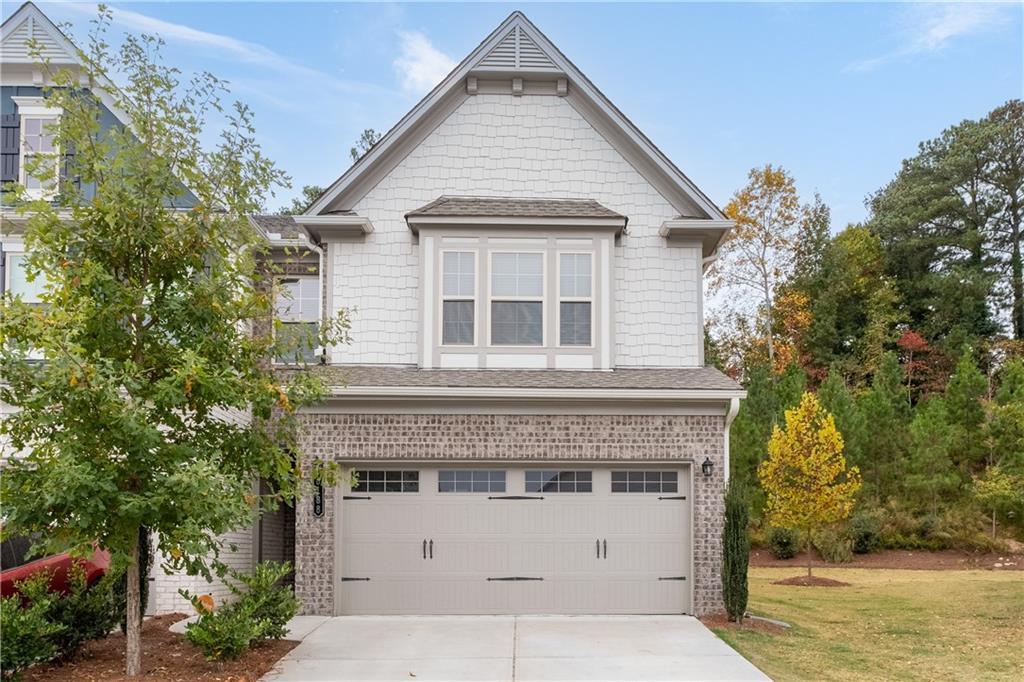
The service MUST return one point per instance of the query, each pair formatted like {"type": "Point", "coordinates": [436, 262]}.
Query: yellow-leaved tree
{"type": "Point", "coordinates": [805, 476]}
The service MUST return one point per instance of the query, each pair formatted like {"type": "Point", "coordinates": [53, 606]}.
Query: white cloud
{"type": "Point", "coordinates": [239, 50]}
{"type": "Point", "coordinates": [929, 28]}
{"type": "Point", "coordinates": [421, 66]}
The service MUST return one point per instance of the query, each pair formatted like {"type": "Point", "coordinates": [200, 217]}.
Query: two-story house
{"type": "Point", "coordinates": [524, 405]}
{"type": "Point", "coordinates": [525, 402]}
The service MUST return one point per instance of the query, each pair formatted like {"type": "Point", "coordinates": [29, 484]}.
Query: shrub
{"type": "Point", "coordinates": [262, 611]}
{"type": "Point", "coordinates": [28, 637]}
{"type": "Point", "coordinates": [783, 543]}
{"type": "Point", "coordinates": [834, 545]}
{"type": "Point", "coordinates": [86, 612]}
{"type": "Point", "coordinates": [270, 600]}
{"type": "Point", "coordinates": [736, 552]}
{"type": "Point", "coordinates": [226, 633]}
{"type": "Point", "coordinates": [865, 532]}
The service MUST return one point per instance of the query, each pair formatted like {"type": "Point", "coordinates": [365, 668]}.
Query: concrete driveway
{"type": "Point", "coordinates": [512, 648]}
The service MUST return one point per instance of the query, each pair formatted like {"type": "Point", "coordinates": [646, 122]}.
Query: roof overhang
{"type": "Point", "coordinates": [710, 233]}
{"type": "Point", "coordinates": [325, 228]}
{"type": "Point", "coordinates": [533, 394]}
{"type": "Point", "coordinates": [416, 222]}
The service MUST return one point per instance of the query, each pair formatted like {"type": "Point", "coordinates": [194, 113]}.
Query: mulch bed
{"type": "Point", "coordinates": [166, 656]}
{"type": "Point", "coordinates": [721, 620]}
{"type": "Point", "coordinates": [943, 560]}
{"type": "Point", "coordinates": [811, 581]}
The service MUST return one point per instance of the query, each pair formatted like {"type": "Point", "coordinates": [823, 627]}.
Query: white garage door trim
{"type": "Point", "coordinates": [498, 558]}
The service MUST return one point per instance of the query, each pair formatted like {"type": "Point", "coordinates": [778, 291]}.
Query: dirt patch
{"type": "Point", "coordinates": [943, 560]}
{"type": "Point", "coordinates": [166, 656]}
{"type": "Point", "coordinates": [721, 620]}
{"type": "Point", "coordinates": [811, 581]}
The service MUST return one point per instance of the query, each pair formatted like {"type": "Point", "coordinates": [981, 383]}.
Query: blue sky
{"type": "Point", "coordinates": [836, 93]}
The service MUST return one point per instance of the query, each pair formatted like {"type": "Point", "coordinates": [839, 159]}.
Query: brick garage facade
{"type": "Point", "coordinates": [535, 438]}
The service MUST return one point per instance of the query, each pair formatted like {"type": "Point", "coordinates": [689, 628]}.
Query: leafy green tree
{"type": "Point", "coordinates": [154, 406]}
{"type": "Point", "coordinates": [963, 400]}
{"type": "Point", "coordinates": [364, 144]}
{"type": "Point", "coordinates": [999, 492]}
{"type": "Point", "coordinates": [1011, 383]}
{"type": "Point", "coordinates": [931, 478]}
{"type": "Point", "coordinates": [813, 238]}
{"type": "Point", "coordinates": [299, 204]}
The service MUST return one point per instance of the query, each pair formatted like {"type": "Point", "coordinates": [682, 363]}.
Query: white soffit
{"type": "Point", "coordinates": [709, 233]}
{"type": "Point", "coordinates": [515, 42]}
{"type": "Point", "coordinates": [324, 228]}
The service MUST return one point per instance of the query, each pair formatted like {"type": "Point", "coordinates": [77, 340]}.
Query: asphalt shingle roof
{"type": "Point", "coordinates": [695, 378]}
{"type": "Point", "coordinates": [278, 224]}
{"type": "Point", "coordinates": [496, 207]}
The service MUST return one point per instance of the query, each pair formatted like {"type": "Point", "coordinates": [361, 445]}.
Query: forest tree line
{"type": "Point", "coordinates": [908, 326]}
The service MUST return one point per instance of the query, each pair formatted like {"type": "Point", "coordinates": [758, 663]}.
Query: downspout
{"type": "Point", "coordinates": [730, 415]}
{"type": "Point", "coordinates": [320, 250]}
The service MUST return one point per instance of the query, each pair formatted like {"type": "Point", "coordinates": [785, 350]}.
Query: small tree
{"type": "Point", "coordinates": [805, 476]}
{"type": "Point", "coordinates": [999, 492]}
{"type": "Point", "coordinates": [155, 405]}
{"type": "Point", "coordinates": [735, 552]}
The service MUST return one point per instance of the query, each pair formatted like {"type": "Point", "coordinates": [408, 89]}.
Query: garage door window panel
{"type": "Point", "coordinates": [645, 482]}
{"type": "Point", "coordinates": [386, 481]}
{"type": "Point", "coordinates": [470, 481]}
{"type": "Point", "coordinates": [551, 481]}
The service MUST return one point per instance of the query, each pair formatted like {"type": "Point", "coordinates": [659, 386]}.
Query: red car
{"type": "Point", "coordinates": [15, 567]}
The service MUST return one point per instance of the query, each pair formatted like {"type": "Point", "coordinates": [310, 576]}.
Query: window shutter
{"type": "Point", "coordinates": [10, 136]}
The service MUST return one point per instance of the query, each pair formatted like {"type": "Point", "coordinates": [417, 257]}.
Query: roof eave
{"type": "Point", "coordinates": [503, 393]}
{"type": "Point", "coordinates": [325, 228]}
{"type": "Point", "coordinates": [610, 223]}
{"type": "Point", "coordinates": [710, 233]}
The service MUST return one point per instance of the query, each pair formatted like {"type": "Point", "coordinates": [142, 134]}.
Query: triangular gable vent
{"type": "Point", "coordinates": [517, 52]}
{"type": "Point", "coordinates": [17, 34]}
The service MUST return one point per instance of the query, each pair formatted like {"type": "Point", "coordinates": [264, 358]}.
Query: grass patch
{"type": "Point", "coordinates": [905, 625]}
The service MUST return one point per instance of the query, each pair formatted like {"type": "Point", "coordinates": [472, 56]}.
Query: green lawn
{"type": "Point", "coordinates": [890, 624]}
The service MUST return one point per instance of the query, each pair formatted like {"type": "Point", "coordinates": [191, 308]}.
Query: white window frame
{"type": "Point", "coordinates": [475, 298]}
{"type": "Point", "coordinates": [8, 270]}
{"type": "Point", "coordinates": [31, 108]}
{"type": "Point", "coordinates": [574, 299]}
{"type": "Point", "coordinates": [278, 280]}
{"type": "Point", "coordinates": [491, 298]}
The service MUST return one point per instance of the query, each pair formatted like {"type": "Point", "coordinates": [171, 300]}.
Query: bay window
{"type": "Point", "coordinates": [575, 299]}
{"type": "Point", "coordinates": [458, 290]}
{"type": "Point", "coordinates": [517, 299]}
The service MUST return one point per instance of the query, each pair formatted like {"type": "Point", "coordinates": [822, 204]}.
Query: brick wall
{"type": "Point", "coordinates": [511, 437]}
{"type": "Point", "coordinates": [164, 597]}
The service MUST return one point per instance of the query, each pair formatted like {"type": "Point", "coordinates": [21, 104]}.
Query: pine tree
{"type": "Point", "coordinates": [1011, 383]}
{"type": "Point", "coordinates": [963, 398]}
{"type": "Point", "coordinates": [836, 398]}
{"type": "Point", "coordinates": [886, 413]}
{"type": "Point", "coordinates": [931, 477]}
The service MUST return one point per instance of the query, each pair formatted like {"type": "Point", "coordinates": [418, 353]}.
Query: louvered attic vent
{"type": "Point", "coordinates": [517, 52]}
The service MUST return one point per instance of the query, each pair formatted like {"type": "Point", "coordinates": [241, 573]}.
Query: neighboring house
{"type": "Point", "coordinates": [524, 405]}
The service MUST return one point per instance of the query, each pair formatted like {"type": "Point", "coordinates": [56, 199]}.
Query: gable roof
{"type": "Point", "coordinates": [518, 48]}
{"type": "Point", "coordinates": [27, 24]}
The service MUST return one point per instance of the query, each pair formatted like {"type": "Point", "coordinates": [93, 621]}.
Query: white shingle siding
{"type": "Point", "coordinates": [529, 146]}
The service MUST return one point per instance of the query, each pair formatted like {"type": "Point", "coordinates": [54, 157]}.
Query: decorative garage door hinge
{"type": "Point", "coordinates": [346, 580]}
{"type": "Point", "coordinates": [674, 577]}
{"type": "Point", "coordinates": [513, 497]}
{"type": "Point", "coordinates": [514, 578]}
{"type": "Point", "coordinates": [356, 497]}
{"type": "Point", "coordinates": [678, 497]}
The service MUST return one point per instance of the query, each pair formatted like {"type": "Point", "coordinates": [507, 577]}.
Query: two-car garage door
{"type": "Point", "coordinates": [498, 540]}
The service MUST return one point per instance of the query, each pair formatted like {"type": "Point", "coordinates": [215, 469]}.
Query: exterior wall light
{"type": "Point", "coordinates": [707, 467]}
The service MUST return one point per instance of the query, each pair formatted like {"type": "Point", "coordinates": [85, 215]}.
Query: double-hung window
{"type": "Point", "coordinates": [297, 308]}
{"type": "Point", "coordinates": [575, 299]}
{"type": "Point", "coordinates": [517, 299]}
{"type": "Point", "coordinates": [17, 282]}
{"type": "Point", "coordinates": [38, 161]}
{"type": "Point", "coordinates": [458, 307]}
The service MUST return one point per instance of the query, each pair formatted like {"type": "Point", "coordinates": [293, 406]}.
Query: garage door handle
{"type": "Point", "coordinates": [424, 549]}
{"type": "Point", "coordinates": [605, 549]}
{"type": "Point", "coordinates": [598, 543]}
{"type": "Point", "coordinates": [431, 549]}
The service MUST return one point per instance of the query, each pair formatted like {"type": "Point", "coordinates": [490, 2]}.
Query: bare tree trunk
{"type": "Point", "coordinates": [993, 524]}
{"type": "Point", "coordinates": [133, 633]}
